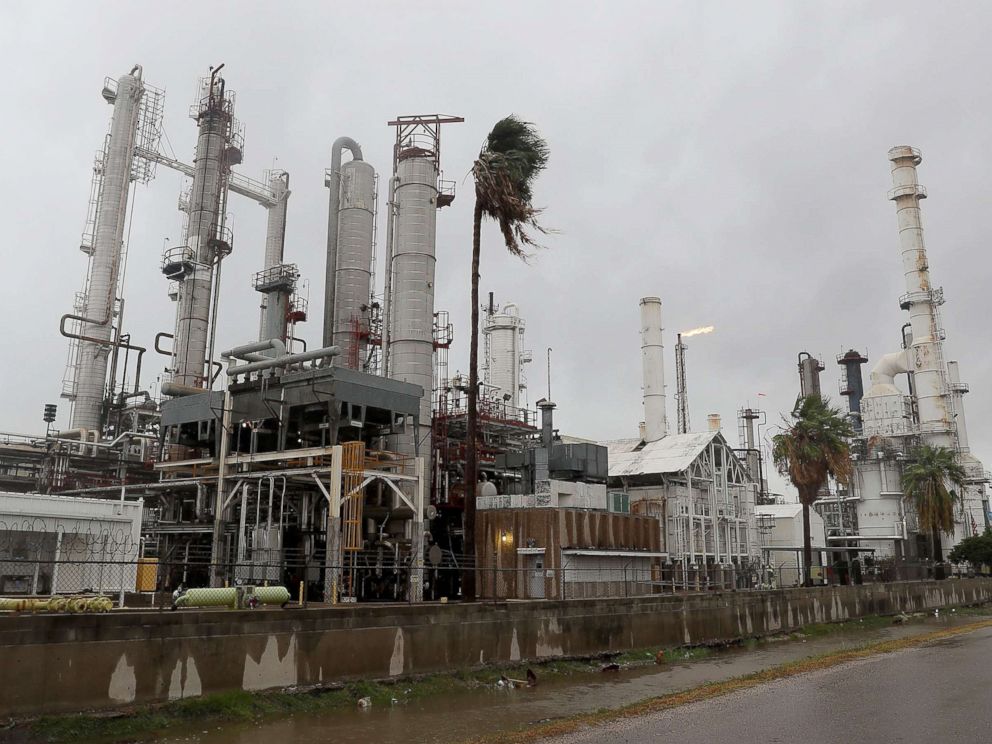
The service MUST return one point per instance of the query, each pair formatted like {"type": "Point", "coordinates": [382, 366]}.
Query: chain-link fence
{"type": "Point", "coordinates": [373, 577]}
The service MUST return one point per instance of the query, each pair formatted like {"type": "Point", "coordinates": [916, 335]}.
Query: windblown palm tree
{"type": "Point", "coordinates": [810, 451]}
{"type": "Point", "coordinates": [511, 158]}
{"type": "Point", "coordinates": [925, 480]}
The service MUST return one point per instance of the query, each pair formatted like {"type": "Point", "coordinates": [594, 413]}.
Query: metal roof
{"type": "Point", "coordinates": [671, 454]}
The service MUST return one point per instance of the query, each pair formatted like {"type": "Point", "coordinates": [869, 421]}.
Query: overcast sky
{"type": "Point", "coordinates": [727, 157]}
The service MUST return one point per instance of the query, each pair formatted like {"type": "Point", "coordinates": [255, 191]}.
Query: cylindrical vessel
{"type": "Point", "coordinates": [353, 273]}
{"type": "Point", "coordinates": [505, 330]}
{"type": "Point", "coordinates": [809, 374]}
{"type": "Point", "coordinates": [412, 313]}
{"type": "Point", "coordinates": [277, 297]}
{"type": "Point", "coordinates": [653, 368]}
{"type": "Point", "coordinates": [91, 375]}
{"type": "Point", "coordinates": [925, 352]}
{"type": "Point", "coordinates": [193, 306]}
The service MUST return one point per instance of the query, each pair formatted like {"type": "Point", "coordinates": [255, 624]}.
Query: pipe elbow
{"type": "Point", "coordinates": [345, 143]}
{"type": "Point", "coordinates": [884, 372]}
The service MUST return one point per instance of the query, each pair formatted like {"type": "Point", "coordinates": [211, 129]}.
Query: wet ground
{"type": "Point", "coordinates": [467, 714]}
{"type": "Point", "coordinates": [936, 693]}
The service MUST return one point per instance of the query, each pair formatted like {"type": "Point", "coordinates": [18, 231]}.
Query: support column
{"type": "Point", "coordinates": [333, 557]}
{"type": "Point", "coordinates": [417, 539]}
{"type": "Point", "coordinates": [217, 544]}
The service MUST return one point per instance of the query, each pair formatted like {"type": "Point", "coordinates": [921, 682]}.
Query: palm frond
{"type": "Point", "coordinates": [925, 481]}
{"type": "Point", "coordinates": [511, 158]}
{"type": "Point", "coordinates": [814, 448]}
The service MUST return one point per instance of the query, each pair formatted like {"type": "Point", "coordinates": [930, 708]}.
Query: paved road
{"type": "Point", "coordinates": [939, 693]}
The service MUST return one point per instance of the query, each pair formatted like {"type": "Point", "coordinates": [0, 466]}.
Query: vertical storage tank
{"type": "Point", "coordinates": [505, 330]}
{"type": "Point", "coordinates": [353, 273]}
{"type": "Point", "coordinates": [411, 344]}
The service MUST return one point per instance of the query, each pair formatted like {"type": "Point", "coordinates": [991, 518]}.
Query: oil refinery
{"type": "Point", "coordinates": [338, 466]}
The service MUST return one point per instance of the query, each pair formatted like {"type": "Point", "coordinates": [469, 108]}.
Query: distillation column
{"type": "Point", "coordinates": [91, 374]}
{"type": "Point", "coordinates": [653, 369]}
{"type": "Point", "coordinates": [411, 354]}
{"type": "Point", "coordinates": [205, 234]}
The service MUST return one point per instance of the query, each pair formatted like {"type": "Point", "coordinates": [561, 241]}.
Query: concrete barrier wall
{"type": "Point", "coordinates": [61, 663]}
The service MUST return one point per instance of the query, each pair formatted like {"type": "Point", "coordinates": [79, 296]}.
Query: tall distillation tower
{"type": "Point", "coordinates": [136, 122]}
{"type": "Point", "coordinates": [195, 265]}
{"type": "Point", "coordinates": [415, 195]}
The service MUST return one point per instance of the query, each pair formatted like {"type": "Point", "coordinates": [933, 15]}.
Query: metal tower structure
{"type": "Point", "coordinates": [681, 395]}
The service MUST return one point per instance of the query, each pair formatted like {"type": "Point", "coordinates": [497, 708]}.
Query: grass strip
{"type": "Point", "coordinates": [712, 690]}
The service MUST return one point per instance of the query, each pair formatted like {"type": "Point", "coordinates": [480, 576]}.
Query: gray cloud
{"type": "Point", "coordinates": [729, 158]}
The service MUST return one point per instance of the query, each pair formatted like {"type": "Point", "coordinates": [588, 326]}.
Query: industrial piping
{"type": "Point", "coordinates": [334, 184]}
{"type": "Point", "coordinates": [284, 361]}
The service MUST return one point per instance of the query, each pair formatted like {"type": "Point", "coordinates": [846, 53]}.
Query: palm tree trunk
{"type": "Point", "coordinates": [471, 447]}
{"type": "Point", "coordinates": [807, 549]}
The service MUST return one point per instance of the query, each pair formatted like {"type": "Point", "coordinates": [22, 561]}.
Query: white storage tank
{"type": "Point", "coordinates": [353, 274]}
{"type": "Point", "coordinates": [506, 333]}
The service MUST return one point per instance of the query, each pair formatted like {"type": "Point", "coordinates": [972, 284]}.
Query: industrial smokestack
{"type": "Point", "coordinates": [653, 366]}
{"type": "Point", "coordinates": [714, 421]}
{"type": "Point", "coordinates": [921, 300]}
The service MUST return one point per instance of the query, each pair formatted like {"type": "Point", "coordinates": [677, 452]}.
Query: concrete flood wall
{"type": "Point", "coordinates": [62, 663]}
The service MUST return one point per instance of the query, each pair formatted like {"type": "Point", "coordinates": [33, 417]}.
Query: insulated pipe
{"type": "Point", "coordinates": [238, 352]}
{"type": "Point", "coordinates": [653, 370]}
{"type": "Point", "coordinates": [334, 184]}
{"type": "Point", "coordinates": [176, 390]}
{"type": "Point", "coordinates": [885, 370]}
{"type": "Point", "coordinates": [284, 361]}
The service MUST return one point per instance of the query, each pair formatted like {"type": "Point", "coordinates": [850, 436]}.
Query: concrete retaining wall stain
{"type": "Point", "coordinates": [145, 657]}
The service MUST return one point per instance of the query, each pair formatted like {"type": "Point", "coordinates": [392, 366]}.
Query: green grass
{"type": "Point", "coordinates": [172, 718]}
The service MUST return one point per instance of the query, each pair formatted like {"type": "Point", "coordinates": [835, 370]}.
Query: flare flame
{"type": "Point", "coordinates": [698, 331]}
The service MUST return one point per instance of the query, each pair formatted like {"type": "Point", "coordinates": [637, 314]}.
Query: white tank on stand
{"type": "Point", "coordinates": [505, 330]}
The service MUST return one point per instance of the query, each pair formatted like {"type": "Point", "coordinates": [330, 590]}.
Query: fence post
{"type": "Point", "coordinates": [494, 576]}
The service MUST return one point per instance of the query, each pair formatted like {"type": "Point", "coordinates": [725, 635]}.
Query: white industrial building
{"type": "Point", "coordinates": [64, 544]}
{"type": "Point", "coordinates": [693, 483]}
{"type": "Point", "coordinates": [781, 526]}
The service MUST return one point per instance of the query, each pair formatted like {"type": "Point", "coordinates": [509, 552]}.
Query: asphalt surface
{"type": "Point", "coordinates": [936, 693]}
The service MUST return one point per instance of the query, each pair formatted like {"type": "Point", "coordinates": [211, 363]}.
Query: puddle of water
{"type": "Point", "coordinates": [467, 714]}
